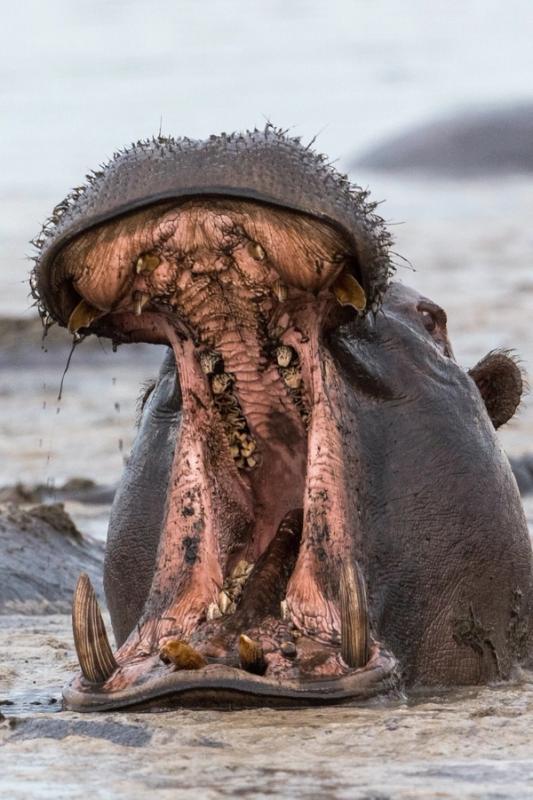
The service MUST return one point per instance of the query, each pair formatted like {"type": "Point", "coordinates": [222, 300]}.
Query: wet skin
{"type": "Point", "coordinates": [316, 508]}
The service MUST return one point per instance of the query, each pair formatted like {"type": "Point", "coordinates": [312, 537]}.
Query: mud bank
{"type": "Point", "coordinates": [41, 556]}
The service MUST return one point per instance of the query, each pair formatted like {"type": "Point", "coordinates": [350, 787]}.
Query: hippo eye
{"type": "Point", "coordinates": [434, 320]}
{"type": "Point", "coordinates": [429, 321]}
{"type": "Point", "coordinates": [433, 317]}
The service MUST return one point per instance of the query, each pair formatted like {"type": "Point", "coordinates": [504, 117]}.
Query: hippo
{"type": "Point", "coordinates": [492, 141]}
{"type": "Point", "coordinates": [316, 509]}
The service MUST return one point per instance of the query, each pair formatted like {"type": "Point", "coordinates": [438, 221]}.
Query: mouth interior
{"type": "Point", "coordinates": [257, 582]}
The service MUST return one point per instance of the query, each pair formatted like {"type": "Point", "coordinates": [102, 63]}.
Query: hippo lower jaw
{"type": "Point", "coordinates": [256, 582]}
{"type": "Point", "coordinates": [222, 686]}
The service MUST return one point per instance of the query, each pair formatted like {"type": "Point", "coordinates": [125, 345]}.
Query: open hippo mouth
{"type": "Point", "coordinates": [256, 589]}
{"type": "Point", "coordinates": [247, 256]}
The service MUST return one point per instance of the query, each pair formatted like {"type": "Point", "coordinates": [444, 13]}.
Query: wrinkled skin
{"type": "Point", "coordinates": [340, 467]}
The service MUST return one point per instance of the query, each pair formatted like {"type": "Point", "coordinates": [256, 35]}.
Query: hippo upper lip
{"type": "Point", "coordinates": [264, 166]}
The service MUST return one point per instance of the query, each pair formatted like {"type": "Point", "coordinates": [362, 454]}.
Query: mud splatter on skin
{"type": "Point", "coordinates": [470, 631]}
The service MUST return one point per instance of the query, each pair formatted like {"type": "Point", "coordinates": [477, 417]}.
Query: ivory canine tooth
{"type": "Point", "coordinates": [349, 291]}
{"type": "Point", "coordinates": [90, 638]}
{"type": "Point", "coordinates": [354, 617]}
{"type": "Point", "coordinates": [83, 316]}
{"type": "Point", "coordinates": [251, 655]}
{"type": "Point", "coordinates": [140, 299]}
{"type": "Point", "coordinates": [182, 655]}
{"type": "Point", "coordinates": [147, 263]}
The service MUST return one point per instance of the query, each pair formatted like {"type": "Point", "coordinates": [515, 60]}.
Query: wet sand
{"type": "Point", "coordinates": [473, 743]}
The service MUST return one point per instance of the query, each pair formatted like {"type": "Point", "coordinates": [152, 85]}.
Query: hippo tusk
{"type": "Point", "coordinates": [147, 263]}
{"type": "Point", "coordinates": [90, 638]}
{"type": "Point", "coordinates": [354, 617]}
{"type": "Point", "coordinates": [349, 292]}
{"type": "Point", "coordinates": [83, 316]}
{"type": "Point", "coordinates": [251, 655]}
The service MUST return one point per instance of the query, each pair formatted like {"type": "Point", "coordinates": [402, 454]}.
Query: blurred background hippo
{"type": "Point", "coordinates": [478, 143]}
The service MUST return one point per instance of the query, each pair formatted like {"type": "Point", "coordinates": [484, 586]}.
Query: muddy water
{"type": "Point", "coordinates": [467, 744]}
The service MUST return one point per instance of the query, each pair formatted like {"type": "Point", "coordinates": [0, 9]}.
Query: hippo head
{"type": "Point", "coordinates": [316, 508]}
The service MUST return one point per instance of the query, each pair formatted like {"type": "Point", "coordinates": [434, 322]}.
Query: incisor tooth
{"type": "Point", "coordinates": [349, 291]}
{"type": "Point", "coordinates": [251, 655]}
{"type": "Point", "coordinates": [147, 263]}
{"type": "Point", "coordinates": [83, 315]}
{"type": "Point", "coordinates": [182, 655]}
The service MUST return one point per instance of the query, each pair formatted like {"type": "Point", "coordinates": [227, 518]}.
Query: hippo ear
{"type": "Point", "coordinates": [501, 384]}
